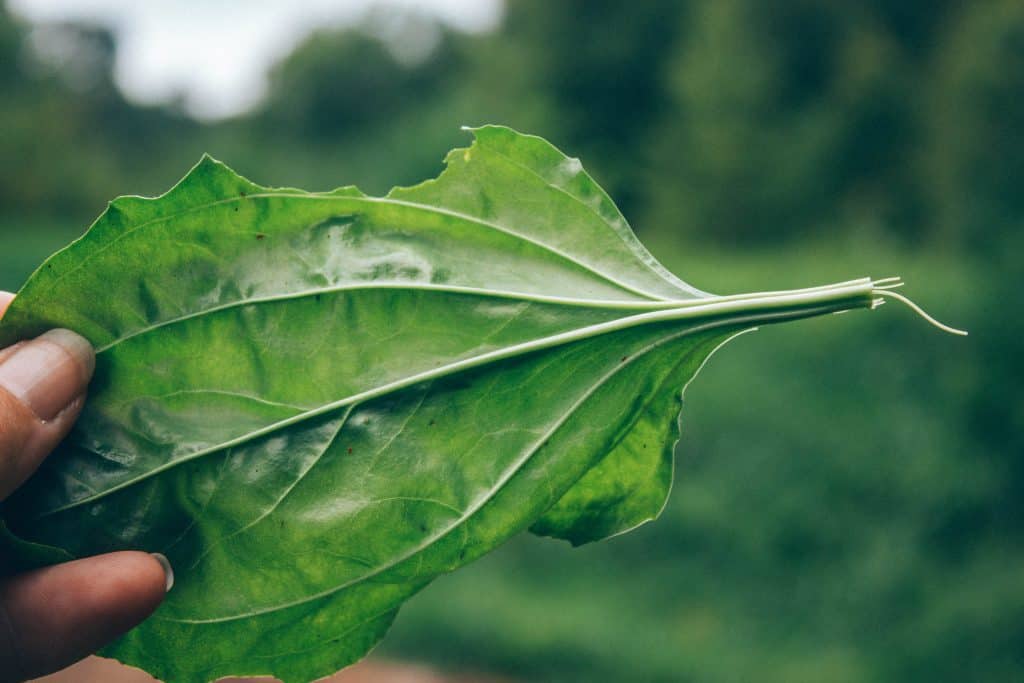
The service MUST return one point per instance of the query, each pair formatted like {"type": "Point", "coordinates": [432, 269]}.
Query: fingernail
{"type": "Point", "coordinates": [168, 572]}
{"type": "Point", "coordinates": [48, 373]}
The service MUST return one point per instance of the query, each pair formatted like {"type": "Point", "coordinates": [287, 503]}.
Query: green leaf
{"type": "Point", "coordinates": [315, 403]}
{"type": "Point", "coordinates": [630, 485]}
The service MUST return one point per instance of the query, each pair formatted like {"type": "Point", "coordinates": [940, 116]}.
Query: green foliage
{"type": "Point", "coordinates": [316, 403]}
{"type": "Point", "coordinates": [874, 137]}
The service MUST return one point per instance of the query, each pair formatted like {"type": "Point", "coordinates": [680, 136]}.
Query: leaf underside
{"type": "Point", "coordinates": [315, 403]}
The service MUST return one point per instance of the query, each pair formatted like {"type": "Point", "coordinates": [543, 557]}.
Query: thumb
{"type": "Point", "coordinates": [52, 617]}
{"type": "Point", "coordinates": [42, 388]}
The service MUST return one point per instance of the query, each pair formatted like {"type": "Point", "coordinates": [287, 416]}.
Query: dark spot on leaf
{"type": "Point", "coordinates": [624, 359]}
{"type": "Point", "coordinates": [317, 298]}
{"type": "Point", "coordinates": [236, 208]}
{"type": "Point", "coordinates": [260, 235]}
{"type": "Point", "coordinates": [349, 449]}
{"type": "Point", "coordinates": [432, 423]}
{"type": "Point", "coordinates": [241, 193]}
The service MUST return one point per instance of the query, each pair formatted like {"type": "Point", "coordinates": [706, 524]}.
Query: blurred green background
{"type": "Point", "coordinates": [849, 503]}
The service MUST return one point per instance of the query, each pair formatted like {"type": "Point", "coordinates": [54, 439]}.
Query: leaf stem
{"type": "Point", "coordinates": [740, 311]}
{"type": "Point", "coordinates": [885, 292]}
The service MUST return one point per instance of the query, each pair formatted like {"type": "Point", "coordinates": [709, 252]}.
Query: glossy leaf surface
{"type": "Point", "coordinates": [315, 403]}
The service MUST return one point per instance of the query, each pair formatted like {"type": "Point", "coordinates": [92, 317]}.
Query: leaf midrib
{"type": "Point", "coordinates": [456, 289]}
{"type": "Point", "coordinates": [415, 286]}
{"type": "Point", "coordinates": [506, 476]}
{"type": "Point", "coordinates": [722, 305]}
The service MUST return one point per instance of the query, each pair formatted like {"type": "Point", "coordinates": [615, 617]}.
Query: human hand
{"type": "Point", "coordinates": [52, 617]}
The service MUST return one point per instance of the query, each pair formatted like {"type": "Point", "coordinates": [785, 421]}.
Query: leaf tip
{"type": "Point", "coordinates": [487, 130]}
{"type": "Point", "coordinates": [207, 162]}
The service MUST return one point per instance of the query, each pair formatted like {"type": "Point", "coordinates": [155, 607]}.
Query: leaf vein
{"type": "Point", "coordinates": [280, 499]}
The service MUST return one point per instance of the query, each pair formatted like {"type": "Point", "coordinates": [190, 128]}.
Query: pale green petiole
{"type": "Point", "coordinates": [884, 291]}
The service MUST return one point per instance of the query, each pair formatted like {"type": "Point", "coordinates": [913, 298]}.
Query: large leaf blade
{"type": "Point", "coordinates": [446, 524]}
{"type": "Point", "coordinates": [314, 403]}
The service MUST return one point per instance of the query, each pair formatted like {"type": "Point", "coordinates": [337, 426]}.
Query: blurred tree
{"type": "Point", "coordinates": [795, 139]}
{"type": "Point", "coordinates": [977, 167]}
{"type": "Point", "coordinates": [598, 66]}
{"type": "Point", "coordinates": [341, 82]}
{"type": "Point", "coordinates": [71, 141]}
{"type": "Point", "coordinates": [790, 118]}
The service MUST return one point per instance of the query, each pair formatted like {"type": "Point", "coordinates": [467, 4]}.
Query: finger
{"type": "Point", "coordinates": [5, 300]}
{"type": "Point", "coordinates": [51, 618]}
{"type": "Point", "coordinates": [42, 388]}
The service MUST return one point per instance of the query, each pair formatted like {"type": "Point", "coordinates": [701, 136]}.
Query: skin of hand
{"type": "Point", "coordinates": [52, 617]}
